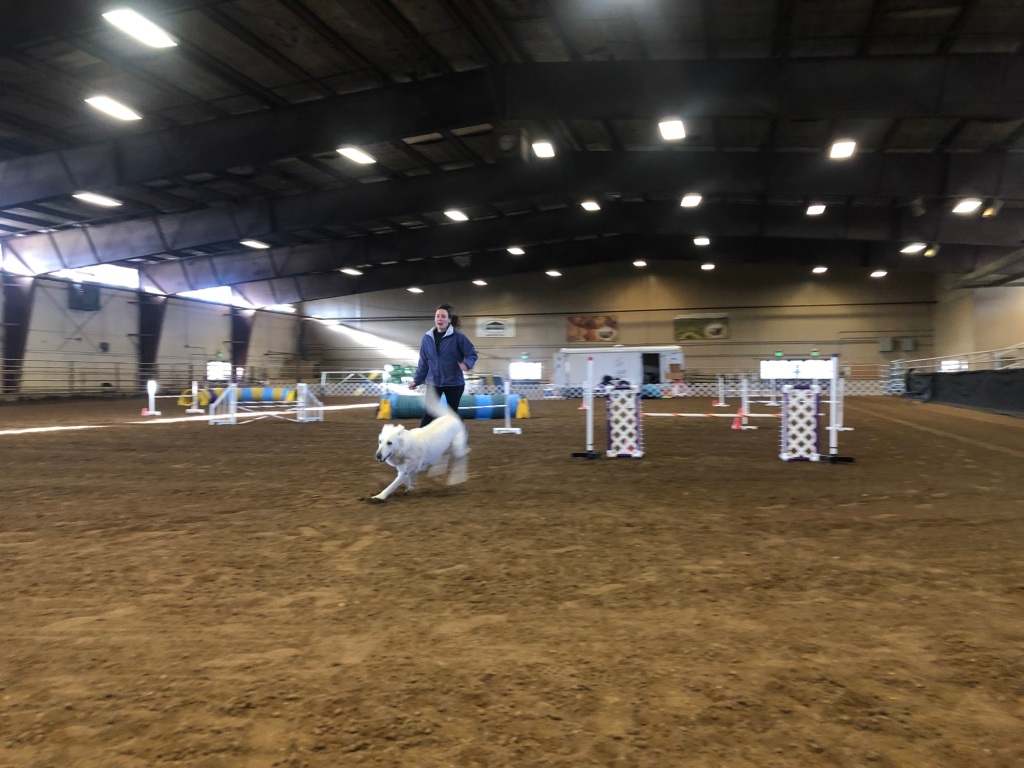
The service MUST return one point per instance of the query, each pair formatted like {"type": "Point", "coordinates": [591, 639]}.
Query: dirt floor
{"type": "Point", "coordinates": [225, 597]}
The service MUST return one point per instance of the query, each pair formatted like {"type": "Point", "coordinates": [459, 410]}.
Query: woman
{"type": "Point", "coordinates": [445, 355]}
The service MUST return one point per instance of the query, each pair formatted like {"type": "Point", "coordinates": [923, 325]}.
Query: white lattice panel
{"type": "Point", "coordinates": [800, 424]}
{"type": "Point", "coordinates": [625, 431]}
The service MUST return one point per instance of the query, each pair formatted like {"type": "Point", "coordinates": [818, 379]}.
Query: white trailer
{"type": "Point", "coordinates": [633, 364]}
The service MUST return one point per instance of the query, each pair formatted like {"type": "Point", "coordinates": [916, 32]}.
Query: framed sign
{"type": "Point", "coordinates": [491, 327]}
{"type": "Point", "coordinates": [592, 328]}
{"type": "Point", "coordinates": [700, 327]}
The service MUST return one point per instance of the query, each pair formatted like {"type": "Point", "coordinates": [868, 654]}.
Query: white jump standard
{"type": "Point", "coordinates": [303, 407]}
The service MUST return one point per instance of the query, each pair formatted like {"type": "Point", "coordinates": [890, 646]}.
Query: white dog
{"type": "Point", "coordinates": [410, 451]}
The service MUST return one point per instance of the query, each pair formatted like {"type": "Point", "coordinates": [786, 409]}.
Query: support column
{"type": "Point", "coordinates": [151, 324]}
{"type": "Point", "coordinates": [242, 321]}
{"type": "Point", "coordinates": [19, 292]}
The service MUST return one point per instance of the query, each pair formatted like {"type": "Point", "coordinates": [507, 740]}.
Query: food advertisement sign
{"type": "Point", "coordinates": [700, 327]}
{"type": "Point", "coordinates": [591, 328]}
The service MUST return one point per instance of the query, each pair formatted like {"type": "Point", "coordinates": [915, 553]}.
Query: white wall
{"type": "Point", "coordinates": [977, 319]}
{"type": "Point", "coordinates": [63, 352]}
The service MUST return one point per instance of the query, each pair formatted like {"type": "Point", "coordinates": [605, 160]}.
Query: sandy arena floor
{"type": "Point", "coordinates": [224, 597]}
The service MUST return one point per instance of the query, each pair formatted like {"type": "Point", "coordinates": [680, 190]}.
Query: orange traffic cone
{"type": "Point", "coordinates": [737, 422]}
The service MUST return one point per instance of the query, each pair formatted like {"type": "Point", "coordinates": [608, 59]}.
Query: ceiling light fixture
{"type": "Point", "coordinates": [815, 210]}
{"type": "Point", "coordinates": [590, 205]}
{"type": "Point", "coordinates": [257, 244]}
{"type": "Point", "coordinates": [672, 130]}
{"type": "Point", "coordinates": [707, 267]}
{"type": "Point", "coordinates": [639, 263]}
{"type": "Point", "coordinates": [842, 149]}
{"type": "Point", "coordinates": [350, 271]}
{"type": "Point", "coordinates": [139, 27]}
{"type": "Point", "coordinates": [967, 205]}
{"type": "Point", "coordinates": [113, 108]}
{"type": "Point", "coordinates": [543, 149]}
{"type": "Point", "coordinates": [879, 273]}
{"type": "Point", "coordinates": [820, 270]}
{"type": "Point", "coordinates": [455, 215]}
{"type": "Point", "coordinates": [553, 273]}
{"type": "Point", "coordinates": [913, 248]}
{"type": "Point", "coordinates": [702, 240]}
{"type": "Point", "coordinates": [931, 251]}
{"type": "Point", "coordinates": [356, 155]}
{"type": "Point", "coordinates": [479, 282]}
{"type": "Point", "coordinates": [690, 200]}
{"type": "Point", "coordinates": [992, 209]}
{"type": "Point", "coordinates": [515, 250]}
{"type": "Point", "coordinates": [415, 290]}
{"type": "Point", "coordinates": [92, 197]}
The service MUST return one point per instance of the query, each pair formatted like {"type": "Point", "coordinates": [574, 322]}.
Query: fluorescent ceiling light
{"type": "Point", "coordinates": [843, 148]}
{"type": "Point", "coordinates": [820, 270]}
{"type": "Point", "coordinates": [967, 205]}
{"type": "Point", "coordinates": [702, 240]}
{"type": "Point", "coordinates": [479, 282]}
{"type": "Point", "coordinates": [258, 244]}
{"type": "Point", "coordinates": [707, 267]}
{"type": "Point", "coordinates": [672, 130]}
{"type": "Point", "coordinates": [515, 250]}
{"type": "Point", "coordinates": [639, 263]}
{"type": "Point", "coordinates": [543, 149]}
{"type": "Point", "coordinates": [590, 205]}
{"type": "Point", "coordinates": [279, 308]}
{"type": "Point", "coordinates": [879, 273]}
{"type": "Point", "coordinates": [92, 197]}
{"type": "Point", "coordinates": [139, 27]}
{"type": "Point", "coordinates": [455, 215]}
{"type": "Point", "coordinates": [113, 108]}
{"type": "Point", "coordinates": [356, 155]}
{"type": "Point", "coordinates": [913, 248]}
{"type": "Point", "coordinates": [553, 273]}
{"type": "Point", "coordinates": [350, 271]}
{"type": "Point", "coordinates": [415, 290]}
{"type": "Point", "coordinates": [815, 210]}
{"type": "Point", "coordinates": [690, 200]}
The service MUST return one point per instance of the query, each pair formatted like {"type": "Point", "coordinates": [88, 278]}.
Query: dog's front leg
{"type": "Point", "coordinates": [383, 495]}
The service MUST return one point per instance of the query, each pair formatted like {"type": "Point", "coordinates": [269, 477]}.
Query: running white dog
{"type": "Point", "coordinates": [410, 451]}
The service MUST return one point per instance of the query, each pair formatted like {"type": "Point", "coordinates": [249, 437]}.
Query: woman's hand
{"type": "Point", "coordinates": [464, 367]}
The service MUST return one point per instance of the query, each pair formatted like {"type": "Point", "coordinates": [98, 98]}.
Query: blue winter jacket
{"type": "Point", "coordinates": [442, 368]}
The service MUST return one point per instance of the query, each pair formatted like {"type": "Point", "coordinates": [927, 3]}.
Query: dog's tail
{"type": "Point", "coordinates": [432, 404]}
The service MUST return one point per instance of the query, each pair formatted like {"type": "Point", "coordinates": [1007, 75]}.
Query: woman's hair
{"type": "Point", "coordinates": [451, 313]}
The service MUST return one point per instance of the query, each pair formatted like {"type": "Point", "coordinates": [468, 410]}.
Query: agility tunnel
{"type": "Point", "coordinates": [470, 407]}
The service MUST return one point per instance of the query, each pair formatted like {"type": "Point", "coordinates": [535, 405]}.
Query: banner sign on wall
{"type": "Point", "coordinates": [496, 327]}
{"type": "Point", "coordinates": [700, 327]}
{"type": "Point", "coordinates": [592, 328]}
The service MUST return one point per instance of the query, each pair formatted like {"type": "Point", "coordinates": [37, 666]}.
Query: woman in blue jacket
{"type": "Point", "coordinates": [445, 355]}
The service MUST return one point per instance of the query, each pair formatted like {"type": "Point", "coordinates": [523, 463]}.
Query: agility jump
{"type": "Point", "coordinates": [288, 404]}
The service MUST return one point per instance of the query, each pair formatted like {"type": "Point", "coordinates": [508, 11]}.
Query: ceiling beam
{"type": "Point", "coordinates": [580, 253]}
{"type": "Point", "coordinates": [968, 86]}
{"type": "Point", "coordinates": [574, 176]}
{"type": "Point", "coordinates": [874, 224]}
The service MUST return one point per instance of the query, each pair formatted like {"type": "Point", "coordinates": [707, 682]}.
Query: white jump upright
{"type": "Point", "coordinates": [508, 429]}
{"type": "Point", "coordinates": [588, 404]}
{"type": "Point", "coordinates": [800, 414]}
